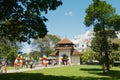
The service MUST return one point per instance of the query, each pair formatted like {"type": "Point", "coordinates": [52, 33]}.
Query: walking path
{"type": "Point", "coordinates": [23, 69]}
{"type": "Point", "coordinates": [27, 69]}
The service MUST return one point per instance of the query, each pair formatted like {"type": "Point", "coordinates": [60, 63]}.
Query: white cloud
{"type": "Point", "coordinates": [26, 48]}
{"type": "Point", "coordinates": [86, 35]}
{"type": "Point", "coordinates": [69, 13]}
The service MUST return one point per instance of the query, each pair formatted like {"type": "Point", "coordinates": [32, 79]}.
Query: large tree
{"type": "Point", "coordinates": [46, 44]}
{"type": "Point", "coordinates": [102, 16]}
{"type": "Point", "coordinates": [23, 19]}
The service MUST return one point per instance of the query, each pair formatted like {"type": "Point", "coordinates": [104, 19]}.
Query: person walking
{"type": "Point", "coordinates": [16, 63]}
{"type": "Point", "coordinates": [1, 66]}
{"type": "Point", "coordinates": [4, 67]}
{"type": "Point", "coordinates": [21, 62]}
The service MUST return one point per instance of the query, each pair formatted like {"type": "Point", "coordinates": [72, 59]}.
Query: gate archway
{"type": "Point", "coordinates": [65, 59]}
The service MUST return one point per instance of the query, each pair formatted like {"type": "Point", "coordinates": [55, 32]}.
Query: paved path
{"type": "Point", "coordinates": [27, 69]}
{"type": "Point", "coordinates": [23, 69]}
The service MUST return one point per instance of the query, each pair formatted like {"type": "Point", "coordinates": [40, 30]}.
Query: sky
{"type": "Point", "coordinates": [68, 20]}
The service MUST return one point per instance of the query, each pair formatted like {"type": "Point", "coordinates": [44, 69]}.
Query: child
{"type": "Point", "coordinates": [4, 68]}
{"type": "Point", "coordinates": [1, 66]}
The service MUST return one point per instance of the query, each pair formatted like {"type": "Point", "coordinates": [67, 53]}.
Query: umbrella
{"type": "Point", "coordinates": [50, 57]}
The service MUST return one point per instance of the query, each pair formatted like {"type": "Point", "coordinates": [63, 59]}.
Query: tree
{"type": "Point", "coordinates": [88, 55]}
{"type": "Point", "coordinates": [25, 54]}
{"type": "Point", "coordinates": [102, 16]}
{"type": "Point", "coordinates": [116, 52]}
{"type": "Point", "coordinates": [46, 44]}
{"type": "Point", "coordinates": [8, 50]}
{"type": "Point", "coordinates": [21, 20]}
{"type": "Point", "coordinates": [35, 55]}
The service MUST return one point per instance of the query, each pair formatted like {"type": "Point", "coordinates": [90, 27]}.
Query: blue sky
{"type": "Point", "coordinates": [68, 20]}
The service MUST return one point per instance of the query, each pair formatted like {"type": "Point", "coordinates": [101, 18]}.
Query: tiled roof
{"type": "Point", "coordinates": [75, 52]}
{"type": "Point", "coordinates": [65, 41]}
{"type": "Point", "coordinates": [53, 53]}
{"type": "Point", "coordinates": [63, 48]}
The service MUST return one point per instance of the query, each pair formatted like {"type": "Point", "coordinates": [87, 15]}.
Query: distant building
{"type": "Point", "coordinates": [65, 53]}
{"type": "Point", "coordinates": [82, 41]}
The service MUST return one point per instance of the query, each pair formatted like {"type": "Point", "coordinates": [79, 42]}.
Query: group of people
{"type": "Point", "coordinates": [64, 61]}
{"type": "Point", "coordinates": [45, 61]}
{"type": "Point", "coordinates": [21, 62]}
{"type": "Point", "coordinates": [26, 62]}
{"type": "Point", "coordinates": [18, 62]}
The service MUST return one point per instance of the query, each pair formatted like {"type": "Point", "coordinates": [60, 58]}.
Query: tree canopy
{"type": "Point", "coordinates": [46, 44]}
{"type": "Point", "coordinates": [8, 50]}
{"type": "Point", "coordinates": [23, 19]}
{"type": "Point", "coordinates": [88, 55]}
{"type": "Point", "coordinates": [102, 16]}
{"type": "Point", "coordinates": [116, 52]}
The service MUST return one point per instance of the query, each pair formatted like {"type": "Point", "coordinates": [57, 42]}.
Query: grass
{"type": "Point", "coordinates": [79, 72]}
{"type": "Point", "coordinates": [10, 67]}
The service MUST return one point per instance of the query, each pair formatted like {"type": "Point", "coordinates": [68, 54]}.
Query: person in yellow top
{"type": "Point", "coordinates": [21, 62]}
{"type": "Point", "coordinates": [4, 67]}
{"type": "Point", "coordinates": [44, 61]}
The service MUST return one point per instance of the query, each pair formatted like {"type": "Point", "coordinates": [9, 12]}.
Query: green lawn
{"type": "Point", "coordinates": [81, 72]}
{"type": "Point", "coordinates": [10, 68]}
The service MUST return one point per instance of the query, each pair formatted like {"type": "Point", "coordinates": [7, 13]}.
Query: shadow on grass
{"type": "Point", "coordinates": [39, 76]}
{"type": "Point", "coordinates": [111, 73]}
{"type": "Point", "coordinates": [91, 69]}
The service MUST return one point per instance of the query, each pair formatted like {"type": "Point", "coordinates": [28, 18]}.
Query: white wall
{"type": "Point", "coordinates": [62, 52]}
{"type": "Point", "coordinates": [75, 59]}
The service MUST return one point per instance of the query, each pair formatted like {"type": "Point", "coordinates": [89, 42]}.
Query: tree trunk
{"type": "Point", "coordinates": [103, 68]}
{"type": "Point", "coordinates": [107, 61]}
